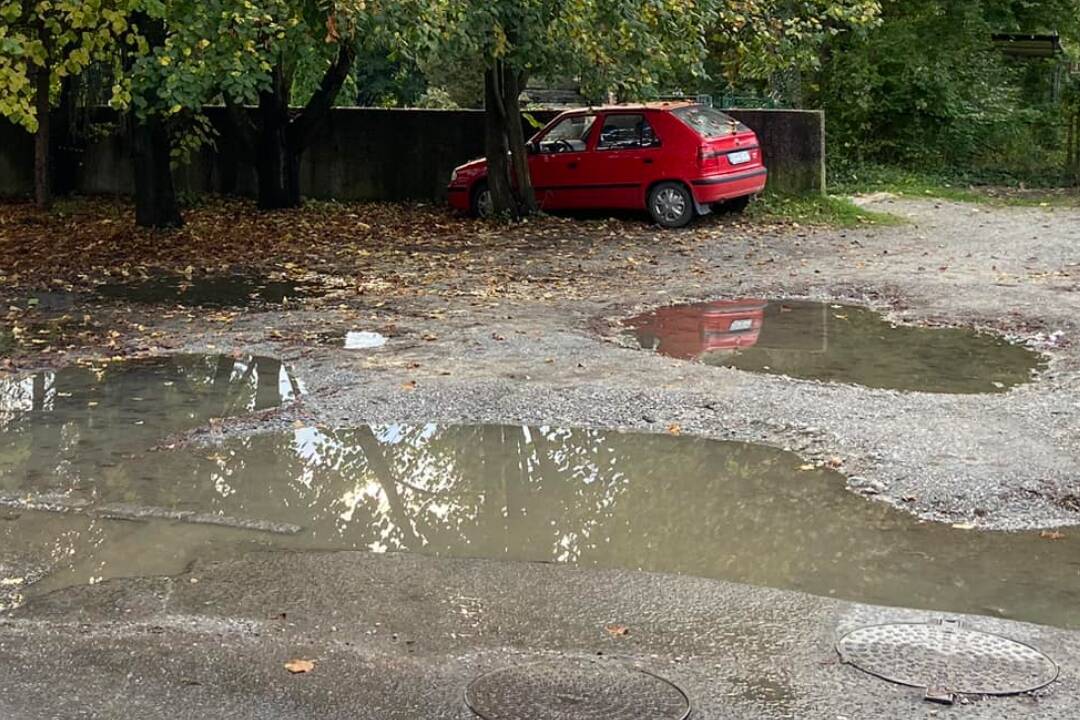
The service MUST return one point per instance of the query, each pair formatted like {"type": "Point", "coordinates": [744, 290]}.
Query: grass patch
{"type": "Point", "coordinates": [995, 190]}
{"type": "Point", "coordinates": [827, 210]}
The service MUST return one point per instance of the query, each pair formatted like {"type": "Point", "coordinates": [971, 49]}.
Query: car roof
{"type": "Point", "coordinates": [658, 106]}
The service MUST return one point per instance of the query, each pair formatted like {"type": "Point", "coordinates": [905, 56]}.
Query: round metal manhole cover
{"type": "Point", "coordinates": [947, 658]}
{"type": "Point", "coordinates": [575, 689]}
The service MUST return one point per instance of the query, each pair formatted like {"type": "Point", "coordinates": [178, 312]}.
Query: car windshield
{"type": "Point", "coordinates": [569, 135]}
{"type": "Point", "coordinates": [708, 122]}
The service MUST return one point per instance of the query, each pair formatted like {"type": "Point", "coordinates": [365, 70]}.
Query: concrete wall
{"type": "Point", "coordinates": [372, 154]}
{"type": "Point", "coordinates": [793, 145]}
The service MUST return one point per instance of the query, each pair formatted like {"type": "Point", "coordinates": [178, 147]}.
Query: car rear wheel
{"type": "Point", "coordinates": [483, 206]}
{"type": "Point", "coordinates": [671, 205]}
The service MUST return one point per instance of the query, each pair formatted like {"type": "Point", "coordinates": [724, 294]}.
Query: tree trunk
{"type": "Point", "coordinates": [507, 157]}
{"type": "Point", "coordinates": [519, 156]}
{"type": "Point", "coordinates": [497, 148]}
{"type": "Point", "coordinates": [64, 141]}
{"type": "Point", "coordinates": [155, 196]}
{"type": "Point", "coordinates": [283, 138]}
{"type": "Point", "coordinates": [271, 155]}
{"type": "Point", "coordinates": [42, 140]}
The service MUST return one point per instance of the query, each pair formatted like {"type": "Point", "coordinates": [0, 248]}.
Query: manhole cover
{"type": "Point", "coordinates": [946, 658]}
{"type": "Point", "coordinates": [575, 689]}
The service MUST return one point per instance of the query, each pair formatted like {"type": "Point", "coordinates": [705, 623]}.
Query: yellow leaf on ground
{"type": "Point", "coordinates": [300, 666]}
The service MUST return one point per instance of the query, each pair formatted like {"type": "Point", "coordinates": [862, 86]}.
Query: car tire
{"type": "Point", "coordinates": [671, 205]}
{"type": "Point", "coordinates": [736, 206]}
{"type": "Point", "coordinates": [481, 204]}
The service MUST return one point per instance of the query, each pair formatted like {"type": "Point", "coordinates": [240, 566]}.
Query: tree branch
{"type": "Point", "coordinates": [303, 126]}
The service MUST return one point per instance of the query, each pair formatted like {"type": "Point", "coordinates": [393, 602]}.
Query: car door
{"type": "Point", "coordinates": [624, 162]}
{"type": "Point", "coordinates": [557, 161]}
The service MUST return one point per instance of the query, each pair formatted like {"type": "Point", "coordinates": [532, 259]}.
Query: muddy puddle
{"type": "Point", "coordinates": [81, 504]}
{"type": "Point", "coordinates": [834, 343]}
{"type": "Point", "coordinates": [63, 430]}
{"type": "Point", "coordinates": [224, 291]}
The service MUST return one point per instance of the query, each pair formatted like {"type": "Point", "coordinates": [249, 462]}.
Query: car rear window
{"type": "Point", "coordinates": [708, 122]}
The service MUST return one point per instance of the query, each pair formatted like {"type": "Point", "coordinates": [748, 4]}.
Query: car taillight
{"type": "Point", "coordinates": [702, 149]}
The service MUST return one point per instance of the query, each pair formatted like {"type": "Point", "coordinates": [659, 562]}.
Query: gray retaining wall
{"type": "Point", "coordinates": [375, 154]}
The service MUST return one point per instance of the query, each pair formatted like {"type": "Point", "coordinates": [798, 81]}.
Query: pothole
{"type": "Point", "coordinates": [575, 689]}
{"type": "Point", "coordinates": [213, 291]}
{"type": "Point", "coordinates": [103, 496]}
{"type": "Point", "coordinates": [834, 343]}
{"type": "Point", "coordinates": [946, 659]}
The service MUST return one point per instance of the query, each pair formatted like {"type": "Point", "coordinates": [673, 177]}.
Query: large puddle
{"type": "Point", "coordinates": [90, 489]}
{"type": "Point", "coordinates": [838, 343]}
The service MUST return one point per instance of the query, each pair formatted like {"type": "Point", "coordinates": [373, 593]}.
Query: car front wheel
{"type": "Point", "coordinates": [483, 206]}
{"type": "Point", "coordinates": [671, 205]}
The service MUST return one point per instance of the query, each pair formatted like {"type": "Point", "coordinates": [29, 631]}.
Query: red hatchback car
{"type": "Point", "coordinates": [673, 159]}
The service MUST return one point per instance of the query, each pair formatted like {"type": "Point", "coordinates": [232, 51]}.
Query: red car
{"type": "Point", "coordinates": [674, 159]}
{"type": "Point", "coordinates": [690, 331]}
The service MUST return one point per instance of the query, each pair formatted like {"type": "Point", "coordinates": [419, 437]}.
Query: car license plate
{"type": "Point", "coordinates": [740, 325]}
{"type": "Point", "coordinates": [738, 158]}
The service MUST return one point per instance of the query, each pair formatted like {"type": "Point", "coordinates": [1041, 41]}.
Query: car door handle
{"type": "Point", "coordinates": [647, 161]}
{"type": "Point", "coordinates": [571, 165]}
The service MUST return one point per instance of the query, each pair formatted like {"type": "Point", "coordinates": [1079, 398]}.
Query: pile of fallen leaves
{"type": "Point", "coordinates": [371, 248]}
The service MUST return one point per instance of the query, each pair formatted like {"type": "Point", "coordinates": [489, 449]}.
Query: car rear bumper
{"type": "Point", "coordinates": [715, 188]}
{"type": "Point", "coordinates": [458, 197]}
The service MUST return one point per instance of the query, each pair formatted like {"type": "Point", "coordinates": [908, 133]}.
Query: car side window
{"type": "Point", "coordinates": [627, 131]}
{"type": "Point", "coordinates": [569, 135]}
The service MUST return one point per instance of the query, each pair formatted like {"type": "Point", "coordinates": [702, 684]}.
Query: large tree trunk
{"type": "Point", "coordinates": [271, 156]}
{"type": "Point", "coordinates": [42, 140]}
{"type": "Point", "coordinates": [155, 196]}
{"type": "Point", "coordinates": [496, 149]}
{"type": "Point", "coordinates": [508, 161]}
{"type": "Point", "coordinates": [282, 137]}
{"type": "Point", "coordinates": [519, 156]}
{"type": "Point", "coordinates": [65, 140]}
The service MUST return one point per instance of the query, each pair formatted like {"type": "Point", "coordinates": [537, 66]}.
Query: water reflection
{"type": "Point", "coordinates": [63, 428]}
{"type": "Point", "coordinates": [834, 343]}
{"type": "Point", "coordinates": [677, 504]}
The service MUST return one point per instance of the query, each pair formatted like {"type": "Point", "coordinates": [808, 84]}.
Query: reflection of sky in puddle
{"type": "Point", "coordinates": [837, 343]}
{"type": "Point", "coordinates": [658, 502]}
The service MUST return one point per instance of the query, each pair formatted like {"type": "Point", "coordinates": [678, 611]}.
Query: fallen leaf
{"type": "Point", "coordinates": [675, 429]}
{"type": "Point", "coordinates": [1051, 535]}
{"type": "Point", "coordinates": [300, 666]}
{"type": "Point", "coordinates": [408, 386]}
{"type": "Point", "coordinates": [617, 630]}
{"type": "Point", "coordinates": [807, 467]}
